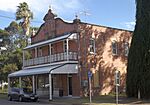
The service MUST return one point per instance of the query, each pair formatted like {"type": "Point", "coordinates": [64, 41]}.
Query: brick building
{"type": "Point", "coordinates": [61, 54]}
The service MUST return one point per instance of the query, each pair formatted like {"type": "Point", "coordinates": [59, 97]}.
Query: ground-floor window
{"type": "Point", "coordinates": [42, 81]}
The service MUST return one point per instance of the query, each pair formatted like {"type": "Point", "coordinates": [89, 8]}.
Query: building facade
{"type": "Point", "coordinates": [61, 54]}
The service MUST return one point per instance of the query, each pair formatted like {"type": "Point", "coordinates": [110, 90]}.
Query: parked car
{"type": "Point", "coordinates": [22, 94]}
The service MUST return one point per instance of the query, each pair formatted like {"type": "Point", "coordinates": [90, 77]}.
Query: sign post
{"type": "Point", "coordinates": [90, 86]}
{"type": "Point", "coordinates": [117, 83]}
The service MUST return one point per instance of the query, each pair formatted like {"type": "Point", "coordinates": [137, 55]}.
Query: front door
{"type": "Point", "coordinates": [69, 85]}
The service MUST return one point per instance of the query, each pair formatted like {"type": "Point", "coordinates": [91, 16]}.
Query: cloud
{"type": "Point", "coordinates": [129, 25]}
{"type": "Point", "coordinates": [41, 6]}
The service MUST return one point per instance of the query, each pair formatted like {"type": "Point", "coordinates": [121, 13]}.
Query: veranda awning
{"type": "Point", "coordinates": [69, 35]}
{"type": "Point", "coordinates": [56, 69]}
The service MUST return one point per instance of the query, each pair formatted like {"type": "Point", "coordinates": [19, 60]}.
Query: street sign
{"type": "Point", "coordinates": [117, 78]}
{"type": "Point", "coordinates": [117, 83]}
{"type": "Point", "coordinates": [89, 74]}
{"type": "Point", "coordinates": [90, 84]}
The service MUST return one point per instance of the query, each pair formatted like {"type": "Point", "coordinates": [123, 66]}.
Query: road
{"type": "Point", "coordinates": [6, 102]}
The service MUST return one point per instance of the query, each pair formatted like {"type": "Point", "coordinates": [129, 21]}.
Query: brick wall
{"type": "Point", "coordinates": [104, 61]}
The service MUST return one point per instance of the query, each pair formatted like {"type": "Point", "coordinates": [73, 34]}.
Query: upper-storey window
{"type": "Point", "coordinates": [65, 46]}
{"type": "Point", "coordinates": [126, 48]}
{"type": "Point", "coordinates": [114, 47]}
{"type": "Point", "coordinates": [92, 46]}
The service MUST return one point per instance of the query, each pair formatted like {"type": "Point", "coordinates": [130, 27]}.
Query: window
{"type": "Point", "coordinates": [42, 82]}
{"type": "Point", "coordinates": [65, 46]}
{"type": "Point", "coordinates": [92, 46]}
{"type": "Point", "coordinates": [126, 48]}
{"type": "Point", "coordinates": [114, 48]}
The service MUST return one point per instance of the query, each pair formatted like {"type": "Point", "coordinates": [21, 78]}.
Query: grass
{"type": "Point", "coordinates": [99, 100]}
{"type": "Point", "coordinates": [3, 96]}
{"type": "Point", "coordinates": [3, 93]}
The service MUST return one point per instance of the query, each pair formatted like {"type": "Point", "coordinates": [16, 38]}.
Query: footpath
{"type": "Point", "coordinates": [102, 100]}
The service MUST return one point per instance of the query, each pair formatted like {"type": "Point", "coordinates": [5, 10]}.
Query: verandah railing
{"type": "Point", "coordinates": [51, 58]}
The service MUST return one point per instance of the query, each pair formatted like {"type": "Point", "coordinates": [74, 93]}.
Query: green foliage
{"type": "Point", "coordinates": [15, 36]}
{"type": "Point", "coordinates": [15, 39]}
{"type": "Point", "coordinates": [138, 69]}
{"type": "Point", "coordinates": [24, 13]}
{"type": "Point", "coordinates": [11, 59]}
{"type": "Point", "coordinates": [10, 62]}
{"type": "Point", "coordinates": [13, 28]}
{"type": "Point", "coordinates": [4, 38]}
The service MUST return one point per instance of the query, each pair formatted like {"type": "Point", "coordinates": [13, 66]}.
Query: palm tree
{"type": "Point", "coordinates": [23, 13]}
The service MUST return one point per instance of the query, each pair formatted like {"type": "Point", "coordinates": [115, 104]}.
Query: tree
{"type": "Point", "coordinates": [138, 68]}
{"type": "Point", "coordinates": [11, 58]}
{"type": "Point", "coordinates": [17, 40]}
{"type": "Point", "coordinates": [24, 13]}
{"type": "Point", "coordinates": [13, 28]}
{"type": "Point", "coordinates": [4, 40]}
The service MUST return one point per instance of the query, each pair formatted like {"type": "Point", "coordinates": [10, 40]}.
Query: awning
{"type": "Point", "coordinates": [69, 35]}
{"type": "Point", "coordinates": [57, 69]}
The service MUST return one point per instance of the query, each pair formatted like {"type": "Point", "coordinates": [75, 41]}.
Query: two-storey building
{"type": "Point", "coordinates": [61, 54]}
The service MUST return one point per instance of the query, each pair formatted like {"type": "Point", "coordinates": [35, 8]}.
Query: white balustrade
{"type": "Point", "coordinates": [51, 58]}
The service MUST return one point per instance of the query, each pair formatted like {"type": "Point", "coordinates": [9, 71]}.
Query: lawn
{"type": "Point", "coordinates": [99, 100]}
{"type": "Point", "coordinates": [3, 96]}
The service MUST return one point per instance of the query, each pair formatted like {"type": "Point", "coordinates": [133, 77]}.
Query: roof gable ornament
{"type": "Point", "coordinates": [76, 20]}
{"type": "Point", "coordinates": [49, 15]}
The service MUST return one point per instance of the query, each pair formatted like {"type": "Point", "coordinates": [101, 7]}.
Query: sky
{"type": "Point", "coordinates": [112, 13]}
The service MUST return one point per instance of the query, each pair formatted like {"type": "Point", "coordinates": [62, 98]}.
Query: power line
{"type": "Point", "coordinates": [8, 17]}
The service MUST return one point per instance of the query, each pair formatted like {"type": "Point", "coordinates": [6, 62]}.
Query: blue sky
{"type": "Point", "coordinates": [112, 13]}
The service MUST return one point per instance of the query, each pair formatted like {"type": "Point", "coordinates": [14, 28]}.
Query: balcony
{"type": "Point", "coordinates": [72, 56]}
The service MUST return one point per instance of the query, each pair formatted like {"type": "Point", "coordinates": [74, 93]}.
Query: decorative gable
{"type": "Point", "coordinates": [53, 27]}
{"type": "Point", "coordinates": [49, 16]}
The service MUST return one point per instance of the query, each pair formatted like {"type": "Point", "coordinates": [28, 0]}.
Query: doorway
{"type": "Point", "coordinates": [70, 85]}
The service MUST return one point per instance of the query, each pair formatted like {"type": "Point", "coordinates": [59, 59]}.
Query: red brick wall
{"type": "Point", "coordinates": [72, 46]}
{"type": "Point", "coordinates": [65, 85]}
{"type": "Point", "coordinates": [45, 50]}
{"type": "Point", "coordinates": [103, 60]}
{"type": "Point", "coordinates": [75, 85]}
